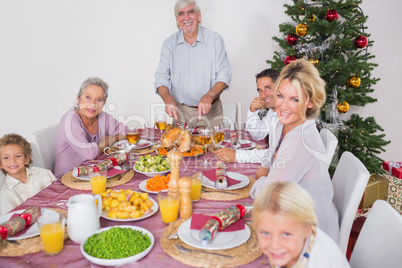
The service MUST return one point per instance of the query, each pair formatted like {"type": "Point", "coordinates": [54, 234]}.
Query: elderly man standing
{"type": "Point", "coordinates": [194, 69]}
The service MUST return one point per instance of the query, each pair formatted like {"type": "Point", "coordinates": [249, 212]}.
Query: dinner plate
{"type": "Point", "coordinates": [118, 262]}
{"type": "Point", "coordinates": [252, 144]}
{"type": "Point", "coordinates": [223, 240]}
{"type": "Point", "coordinates": [86, 177]}
{"type": "Point", "coordinates": [153, 209]}
{"type": "Point", "coordinates": [244, 181]}
{"type": "Point", "coordinates": [141, 144]}
{"type": "Point", "coordinates": [33, 230]}
{"type": "Point", "coordinates": [143, 187]}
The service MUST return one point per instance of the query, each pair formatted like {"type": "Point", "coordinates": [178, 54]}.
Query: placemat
{"type": "Point", "coordinates": [28, 245]}
{"type": "Point", "coordinates": [198, 259]}
{"type": "Point", "coordinates": [71, 182]}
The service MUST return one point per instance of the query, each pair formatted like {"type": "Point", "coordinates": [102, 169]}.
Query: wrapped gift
{"type": "Point", "coordinates": [220, 176]}
{"type": "Point", "coordinates": [377, 188]}
{"type": "Point", "coordinates": [234, 140]}
{"type": "Point", "coordinates": [395, 193]}
{"type": "Point", "coordinates": [393, 168]}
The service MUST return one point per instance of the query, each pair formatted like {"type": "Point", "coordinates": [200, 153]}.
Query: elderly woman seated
{"type": "Point", "coordinates": [85, 130]}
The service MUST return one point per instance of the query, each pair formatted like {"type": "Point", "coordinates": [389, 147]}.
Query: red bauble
{"type": "Point", "coordinates": [289, 59]}
{"type": "Point", "coordinates": [331, 15]}
{"type": "Point", "coordinates": [292, 39]}
{"type": "Point", "coordinates": [361, 41]}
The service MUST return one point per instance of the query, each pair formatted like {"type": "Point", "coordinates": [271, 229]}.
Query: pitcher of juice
{"type": "Point", "coordinates": [83, 216]}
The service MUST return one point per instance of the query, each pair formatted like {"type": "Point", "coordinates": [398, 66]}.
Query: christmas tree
{"type": "Point", "coordinates": [331, 35]}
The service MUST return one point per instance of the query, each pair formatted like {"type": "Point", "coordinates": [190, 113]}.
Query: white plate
{"type": "Point", "coordinates": [252, 144]}
{"type": "Point", "coordinates": [86, 177]}
{"type": "Point", "coordinates": [244, 181]}
{"type": "Point", "coordinates": [223, 240]}
{"type": "Point", "coordinates": [151, 174]}
{"type": "Point", "coordinates": [153, 209]}
{"type": "Point", "coordinates": [33, 230]}
{"type": "Point", "coordinates": [143, 187]}
{"type": "Point", "coordinates": [117, 262]}
{"type": "Point", "coordinates": [141, 144]}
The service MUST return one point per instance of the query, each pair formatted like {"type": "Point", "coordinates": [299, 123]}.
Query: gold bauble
{"type": "Point", "coordinates": [343, 107]}
{"type": "Point", "coordinates": [354, 81]}
{"type": "Point", "coordinates": [311, 18]}
{"type": "Point", "coordinates": [301, 29]}
{"type": "Point", "coordinates": [314, 61]}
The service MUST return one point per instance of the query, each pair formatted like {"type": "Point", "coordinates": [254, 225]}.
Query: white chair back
{"type": "Point", "coordinates": [45, 141]}
{"type": "Point", "coordinates": [330, 143]}
{"type": "Point", "coordinates": [349, 181]}
{"type": "Point", "coordinates": [229, 112]}
{"type": "Point", "coordinates": [380, 240]}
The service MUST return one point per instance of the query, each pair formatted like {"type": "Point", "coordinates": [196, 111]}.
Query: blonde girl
{"type": "Point", "coordinates": [286, 226]}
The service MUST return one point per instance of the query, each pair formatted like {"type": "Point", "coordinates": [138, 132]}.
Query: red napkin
{"type": "Point", "coordinates": [113, 172]}
{"type": "Point", "coordinates": [23, 231]}
{"type": "Point", "coordinates": [210, 174]}
{"type": "Point", "coordinates": [198, 221]}
{"type": "Point", "coordinates": [242, 145]}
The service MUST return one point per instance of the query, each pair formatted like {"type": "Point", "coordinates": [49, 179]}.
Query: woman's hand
{"type": "Point", "coordinates": [262, 172]}
{"type": "Point", "coordinates": [226, 155]}
{"type": "Point", "coordinates": [108, 141]}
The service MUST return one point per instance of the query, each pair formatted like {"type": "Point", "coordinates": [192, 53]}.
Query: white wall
{"type": "Point", "coordinates": [48, 47]}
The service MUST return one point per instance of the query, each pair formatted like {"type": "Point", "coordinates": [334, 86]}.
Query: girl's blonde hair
{"type": "Point", "coordinates": [306, 79]}
{"type": "Point", "coordinates": [291, 201]}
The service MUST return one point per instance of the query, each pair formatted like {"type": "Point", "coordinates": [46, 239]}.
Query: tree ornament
{"type": "Point", "coordinates": [291, 39]}
{"type": "Point", "coordinates": [289, 59]}
{"type": "Point", "coordinates": [361, 41]}
{"type": "Point", "coordinates": [343, 107]}
{"type": "Point", "coordinates": [314, 61]}
{"type": "Point", "coordinates": [302, 11]}
{"type": "Point", "coordinates": [331, 15]}
{"type": "Point", "coordinates": [301, 29]}
{"type": "Point", "coordinates": [311, 18]}
{"type": "Point", "coordinates": [354, 81]}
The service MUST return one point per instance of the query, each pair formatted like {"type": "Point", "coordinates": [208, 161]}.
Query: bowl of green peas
{"type": "Point", "coordinates": [117, 245]}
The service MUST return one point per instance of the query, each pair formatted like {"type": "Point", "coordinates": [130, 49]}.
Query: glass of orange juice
{"type": "Point", "coordinates": [169, 207]}
{"type": "Point", "coordinates": [196, 185]}
{"type": "Point", "coordinates": [51, 230]}
{"type": "Point", "coordinates": [98, 181]}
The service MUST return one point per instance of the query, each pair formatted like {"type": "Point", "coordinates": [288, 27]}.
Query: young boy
{"type": "Point", "coordinates": [22, 182]}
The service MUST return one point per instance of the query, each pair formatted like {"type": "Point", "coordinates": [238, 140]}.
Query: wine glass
{"type": "Point", "coordinates": [206, 139]}
{"type": "Point", "coordinates": [160, 122]}
{"type": "Point", "coordinates": [132, 135]}
{"type": "Point", "coordinates": [219, 134]}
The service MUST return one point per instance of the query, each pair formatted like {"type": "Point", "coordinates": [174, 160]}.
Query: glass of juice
{"type": "Point", "coordinates": [219, 134]}
{"type": "Point", "coordinates": [132, 135]}
{"type": "Point", "coordinates": [160, 122]}
{"type": "Point", "coordinates": [51, 230]}
{"type": "Point", "coordinates": [98, 181]}
{"type": "Point", "coordinates": [196, 185]}
{"type": "Point", "coordinates": [169, 207]}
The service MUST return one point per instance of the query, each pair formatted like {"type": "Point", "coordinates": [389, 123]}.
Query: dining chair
{"type": "Point", "coordinates": [45, 141]}
{"type": "Point", "coordinates": [380, 239]}
{"type": "Point", "coordinates": [349, 182]}
{"type": "Point", "coordinates": [229, 112]}
{"type": "Point", "coordinates": [330, 143]}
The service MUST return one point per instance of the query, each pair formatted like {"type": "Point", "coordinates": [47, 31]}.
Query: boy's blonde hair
{"type": "Point", "coordinates": [306, 79]}
{"type": "Point", "coordinates": [16, 139]}
{"type": "Point", "coordinates": [291, 201]}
